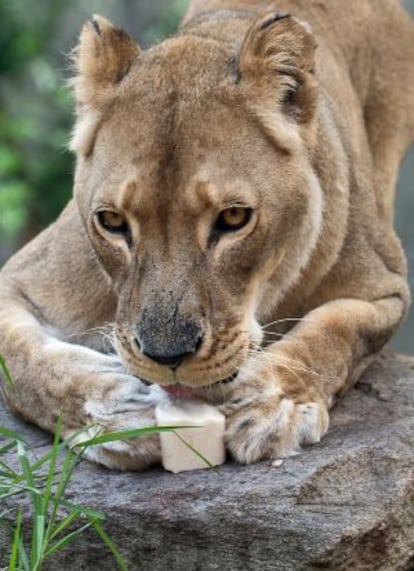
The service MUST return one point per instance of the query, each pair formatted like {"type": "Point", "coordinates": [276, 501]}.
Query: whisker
{"type": "Point", "coordinates": [104, 332]}
{"type": "Point", "coordinates": [292, 368]}
{"type": "Point", "coordinates": [286, 320]}
{"type": "Point", "coordinates": [274, 333]}
{"type": "Point", "coordinates": [288, 336]}
{"type": "Point", "coordinates": [259, 353]}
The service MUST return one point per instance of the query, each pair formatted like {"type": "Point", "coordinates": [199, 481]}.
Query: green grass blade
{"type": "Point", "coordinates": [7, 376]}
{"type": "Point", "coordinates": [69, 441]}
{"type": "Point", "coordinates": [110, 544]}
{"type": "Point", "coordinates": [82, 511]}
{"type": "Point", "coordinates": [61, 543]}
{"type": "Point", "coordinates": [16, 489]}
{"type": "Point", "coordinates": [129, 434]}
{"type": "Point", "coordinates": [23, 558]}
{"type": "Point", "coordinates": [38, 536]}
{"type": "Point", "coordinates": [16, 539]}
{"type": "Point", "coordinates": [66, 522]}
{"type": "Point", "coordinates": [51, 475]}
{"type": "Point", "coordinates": [43, 460]}
{"type": "Point", "coordinates": [8, 470]}
{"type": "Point", "coordinates": [28, 476]}
{"type": "Point", "coordinates": [10, 434]}
{"type": "Point", "coordinates": [196, 452]}
{"type": "Point", "coordinates": [66, 472]}
{"type": "Point", "coordinates": [6, 448]}
{"type": "Point", "coordinates": [38, 519]}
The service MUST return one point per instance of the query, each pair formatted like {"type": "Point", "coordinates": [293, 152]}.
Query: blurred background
{"type": "Point", "coordinates": [36, 113]}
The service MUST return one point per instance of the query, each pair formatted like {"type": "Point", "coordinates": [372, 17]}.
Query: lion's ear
{"type": "Point", "coordinates": [102, 59]}
{"type": "Point", "coordinates": [104, 55]}
{"type": "Point", "coordinates": [278, 58]}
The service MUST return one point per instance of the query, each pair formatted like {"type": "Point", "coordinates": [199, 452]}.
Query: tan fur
{"type": "Point", "coordinates": [304, 120]}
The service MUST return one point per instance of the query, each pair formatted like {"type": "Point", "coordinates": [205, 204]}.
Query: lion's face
{"type": "Point", "coordinates": [201, 204]}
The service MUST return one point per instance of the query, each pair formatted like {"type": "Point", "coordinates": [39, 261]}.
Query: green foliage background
{"type": "Point", "coordinates": [36, 106]}
{"type": "Point", "coordinates": [34, 121]}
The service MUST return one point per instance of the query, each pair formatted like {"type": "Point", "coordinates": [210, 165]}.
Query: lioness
{"type": "Point", "coordinates": [230, 235]}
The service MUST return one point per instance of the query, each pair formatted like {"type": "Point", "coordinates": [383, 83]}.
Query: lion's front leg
{"type": "Point", "coordinates": [281, 398]}
{"type": "Point", "coordinates": [90, 392]}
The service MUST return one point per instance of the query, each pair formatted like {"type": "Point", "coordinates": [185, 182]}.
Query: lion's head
{"type": "Point", "coordinates": [195, 185]}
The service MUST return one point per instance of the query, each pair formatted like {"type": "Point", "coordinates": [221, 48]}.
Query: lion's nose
{"type": "Point", "coordinates": [171, 361]}
{"type": "Point", "coordinates": [170, 354]}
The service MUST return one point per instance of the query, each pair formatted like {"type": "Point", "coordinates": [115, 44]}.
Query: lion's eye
{"type": "Point", "coordinates": [112, 222]}
{"type": "Point", "coordinates": [233, 218]}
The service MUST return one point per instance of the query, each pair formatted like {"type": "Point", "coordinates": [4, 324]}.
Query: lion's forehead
{"type": "Point", "coordinates": [181, 146]}
{"type": "Point", "coordinates": [190, 66]}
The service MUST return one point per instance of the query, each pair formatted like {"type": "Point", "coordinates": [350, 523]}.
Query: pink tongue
{"type": "Point", "coordinates": [179, 391]}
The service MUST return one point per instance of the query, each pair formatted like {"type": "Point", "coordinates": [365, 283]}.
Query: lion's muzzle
{"type": "Point", "coordinates": [168, 339]}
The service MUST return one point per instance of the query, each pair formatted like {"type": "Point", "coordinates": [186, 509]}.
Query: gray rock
{"type": "Point", "coordinates": [346, 503]}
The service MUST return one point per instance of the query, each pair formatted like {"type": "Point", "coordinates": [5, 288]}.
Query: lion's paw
{"type": "Point", "coordinates": [127, 405]}
{"type": "Point", "coordinates": [271, 425]}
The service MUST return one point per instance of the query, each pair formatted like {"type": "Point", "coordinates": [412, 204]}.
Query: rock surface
{"type": "Point", "coordinates": [346, 503]}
